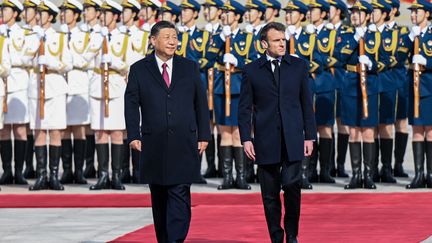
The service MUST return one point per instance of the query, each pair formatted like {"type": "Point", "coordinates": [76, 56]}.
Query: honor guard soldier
{"type": "Point", "coordinates": [272, 10]}
{"type": "Point", "coordinates": [47, 93]}
{"type": "Point", "coordinates": [365, 58]}
{"type": "Point", "coordinates": [136, 49]}
{"type": "Point", "coordinates": [388, 88]}
{"type": "Point", "coordinates": [193, 42]}
{"type": "Point", "coordinates": [255, 14]}
{"type": "Point", "coordinates": [302, 43]}
{"type": "Point", "coordinates": [14, 93]}
{"type": "Point", "coordinates": [324, 87]}
{"type": "Point", "coordinates": [237, 51]}
{"type": "Point", "coordinates": [400, 72]}
{"type": "Point", "coordinates": [169, 12]}
{"type": "Point", "coordinates": [107, 86]}
{"type": "Point", "coordinates": [77, 102]}
{"type": "Point", "coordinates": [91, 25]}
{"type": "Point", "coordinates": [149, 13]}
{"type": "Point", "coordinates": [420, 92]}
{"type": "Point", "coordinates": [338, 13]}
{"type": "Point", "coordinates": [212, 10]}
{"type": "Point", "coordinates": [29, 16]}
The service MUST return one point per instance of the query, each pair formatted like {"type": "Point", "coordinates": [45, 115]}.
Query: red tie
{"type": "Point", "coordinates": [165, 75]}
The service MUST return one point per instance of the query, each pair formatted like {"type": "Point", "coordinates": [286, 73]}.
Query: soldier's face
{"type": "Point", "coordinates": [228, 17]}
{"type": "Point", "coordinates": [147, 13]}
{"type": "Point", "coordinates": [315, 14]}
{"type": "Point", "coordinates": [210, 13]}
{"type": "Point", "coordinates": [8, 14]}
{"type": "Point", "coordinates": [358, 17]}
{"type": "Point", "coordinates": [127, 15]}
{"type": "Point", "coordinates": [377, 16]}
{"type": "Point", "coordinates": [187, 15]}
{"type": "Point", "coordinates": [165, 42]}
{"type": "Point", "coordinates": [333, 12]}
{"type": "Point", "coordinates": [29, 14]}
{"type": "Point", "coordinates": [106, 18]}
{"type": "Point", "coordinates": [275, 44]}
{"type": "Point", "coordinates": [167, 16]}
{"type": "Point", "coordinates": [418, 16]}
{"type": "Point", "coordinates": [270, 13]}
{"type": "Point", "coordinates": [254, 15]}
{"type": "Point", "coordinates": [43, 17]}
{"type": "Point", "coordinates": [293, 17]}
{"type": "Point", "coordinates": [90, 14]}
{"type": "Point", "coordinates": [67, 16]}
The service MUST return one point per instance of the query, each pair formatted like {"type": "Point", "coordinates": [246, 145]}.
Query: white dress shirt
{"type": "Point", "coordinates": [169, 66]}
{"type": "Point", "coordinates": [271, 59]}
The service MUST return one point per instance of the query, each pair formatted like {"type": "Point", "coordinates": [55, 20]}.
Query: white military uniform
{"type": "Point", "coordinates": [4, 72]}
{"type": "Point", "coordinates": [59, 62]}
{"type": "Point", "coordinates": [22, 47]}
{"type": "Point", "coordinates": [117, 48]}
{"type": "Point", "coordinates": [77, 107]}
{"type": "Point", "coordinates": [139, 44]}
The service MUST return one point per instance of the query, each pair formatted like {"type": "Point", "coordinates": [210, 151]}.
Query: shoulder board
{"type": "Point", "coordinates": [404, 30]}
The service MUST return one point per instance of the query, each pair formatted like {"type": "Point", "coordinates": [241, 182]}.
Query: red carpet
{"type": "Point", "coordinates": [360, 217]}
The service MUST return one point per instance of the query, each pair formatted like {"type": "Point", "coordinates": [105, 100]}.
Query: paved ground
{"type": "Point", "coordinates": [103, 224]}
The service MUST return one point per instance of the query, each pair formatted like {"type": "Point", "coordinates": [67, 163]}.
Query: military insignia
{"type": "Point", "coordinates": [306, 45]}
{"type": "Point", "coordinates": [242, 48]}
{"type": "Point", "coordinates": [325, 40]}
{"type": "Point", "coordinates": [339, 39]}
{"type": "Point", "coordinates": [387, 40]}
{"type": "Point", "coordinates": [371, 42]}
{"type": "Point", "coordinates": [400, 41]}
{"type": "Point", "coordinates": [242, 43]}
{"type": "Point", "coordinates": [199, 40]}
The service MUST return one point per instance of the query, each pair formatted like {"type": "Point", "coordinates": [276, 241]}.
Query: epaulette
{"type": "Point", "coordinates": [404, 30]}
{"type": "Point", "coordinates": [348, 30]}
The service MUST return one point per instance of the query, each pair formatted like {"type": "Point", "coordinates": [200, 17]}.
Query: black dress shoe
{"type": "Point", "coordinates": [291, 239]}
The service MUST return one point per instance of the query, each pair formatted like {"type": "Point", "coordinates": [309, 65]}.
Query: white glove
{"type": "Point", "coordinates": [64, 28]}
{"type": "Point", "coordinates": [310, 28]}
{"type": "Point", "coordinates": [226, 30]}
{"type": "Point", "coordinates": [330, 26]}
{"type": "Point", "coordinates": [146, 27]}
{"type": "Point", "coordinates": [84, 27]}
{"type": "Point", "coordinates": [106, 58]}
{"type": "Point", "coordinates": [104, 31]}
{"type": "Point", "coordinates": [419, 59]}
{"type": "Point", "coordinates": [359, 33]}
{"type": "Point", "coordinates": [181, 28]}
{"type": "Point", "coordinates": [3, 29]}
{"type": "Point", "coordinates": [123, 29]}
{"type": "Point", "coordinates": [249, 28]}
{"type": "Point", "coordinates": [415, 31]}
{"type": "Point", "coordinates": [43, 60]}
{"type": "Point", "coordinates": [230, 58]}
{"type": "Point", "coordinates": [373, 28]}
{"type": "Point", "coordinates": [287, 34]}
{"type": "Point", "coordinates": [209, 28]}
{"type": "Point", "coordinates": [39, 31]}
{"type": "Point", "coordinates": [363, 59]}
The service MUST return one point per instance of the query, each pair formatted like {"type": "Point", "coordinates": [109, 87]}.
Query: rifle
{"type": "Point", "coordinates": [5, 80]}
{"type": "Point", "coordinates": [105, 74]}
{"type": "Point", "coordinates": [363, 81]}
{"type": "Point", "coordinates": [416, 77]}
{"type": "Point", "coordinates": [42, 72]}
{"type": "Point", "coordinates": [210, 75]}
{"type": "Point", "coordinates": [227, 79]}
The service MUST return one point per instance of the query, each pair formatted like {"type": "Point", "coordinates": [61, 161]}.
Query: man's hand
{"type": "Point", "coordinates": [249, 150]}
{"type": "Point", "coordinates": [308, 147]}
{"type": "Point", "coordinates": [135, 144]}
{"type": "Point", "coordinates": [202, 147]}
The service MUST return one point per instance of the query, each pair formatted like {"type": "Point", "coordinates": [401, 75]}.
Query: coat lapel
{"type": "Point", "coordinates": [175, 72]}
{"type": "Point", "coordinates": [154, 70]}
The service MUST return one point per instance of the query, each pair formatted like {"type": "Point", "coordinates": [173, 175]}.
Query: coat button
{"type": "Point", "coordinates": [169, 96]}
{"type": "Point", "coordinates": [169, 113]}
{"type": "Point", "coordinates": [170, 131]}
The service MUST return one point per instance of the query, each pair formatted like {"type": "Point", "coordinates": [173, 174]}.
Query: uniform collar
{"type": "Point", "coordinates": [381, 28]}
{"type": "Point", "coordinates": [319, 27]}
{"type": "Point", "coordinates": [391, 24]}
{"type": "Point", "coordinates": [336, 26]}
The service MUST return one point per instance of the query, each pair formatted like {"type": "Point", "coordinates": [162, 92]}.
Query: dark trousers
{"type": "Point", "coordinates": [273, 177]}
{"type": "Point", "coordinates": [171, 206]}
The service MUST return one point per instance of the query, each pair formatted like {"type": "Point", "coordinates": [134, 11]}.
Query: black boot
{"type": "Point", "coordinates": [226, 154]}
{"type": "Point", "coordinates": [41, 169]}
{"type": "Point", "coordinates": [240, 166]}
{"type": "Point", "coordinates": [313, 174]}
{"type": "Point", "coordinates": [117, 153]}
{"type": "Point", "coordinates": [211, 171]}
{"type": "Point", "coordinates": [386, 146]}
{"type": "Point", "coordinates": [342, 147]}
{"type": "Point", "coordinates": [305, 184]}
{"type": "Point", "coordinates": [401, 140]}
{"type": "Point", "coordinates": [29, 172]}
{"type": "Point", "coordinates": [375, 170]}
{"type": "Point", "coordinates": [419, 156]}
{"type": "Point", "coordinates": [103, 181]}
{"type": "Point", "coordinates": [125, 175]}
{"type": "Point", "coordinates": [54, 161]}
{"type": "Point", "coordinates": [325, 150]}
{"type": "Point", "coordinates": [79, 146]}
{"type": "Point", "coordinates": [429, 164]}
{"type": "Point", "coordinates": [332, 157]}
{"type": "Point", "coordinates": [19, 154]}
{"type": "Point", "coordinates": [368, 159]}
{"type": "Point", "coordinates": [6, 156]}
{"type": "Point", "coordinates": [356, 157]}
{"type": "Point", "coordinates": [219, 157]}
{"type": "Point", "coordinates": [135, 166]}
{"type": "Point", "coordinates": [66, 157]}
{"type": "Point", "coordinates": [90, 171]}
